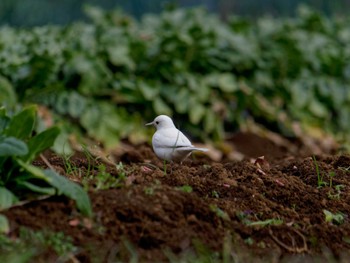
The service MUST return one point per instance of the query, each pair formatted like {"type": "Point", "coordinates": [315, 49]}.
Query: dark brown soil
{"type": "Point", "coordinates": [265, 211]}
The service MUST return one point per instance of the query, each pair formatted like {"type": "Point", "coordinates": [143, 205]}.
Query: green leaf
{"type": "Point", "coordinates": [7, 93]}
{"type": "Point", "coordinates": [209, 120]}
{"type": "Point", "coordinates": [196, 113]}
{"type": "Point", "coordinates": [318, 109]}
{"type": "Point", "coordinates": [41, 142]}
{"type": "Point", "coordinates": [227, 82]}
{"type": "Point", "coordinates": [103, 122]}
{"type": "Point", "coordinates": [149, 92]}
{"type": "Point", "coordinates": [21, 125]}
{"type": "Point", "coordinates": [7, 198]}
{"type": "Point", "coordinates": [4, 120]}
{"type": "Point", "coordinates": [76, 104]}
{"type": "Point", "coordinates": [300, 94]}
{"type": "Point", "coordinates": [161, 107]}
{"type": "Point", "coordinates": [11, 146]}
{"type": "Point", "coordinates": [119, 56]}
{"type": "Point", "coordinates": [71, 190]}
{"type": "Point", "coordinates": [4, 225]}
{"type": "Point", "coordinates": [63, 185]}
{"type": "Point", "coordinates": [181, 100]}
{"type": "Point", "coordinates": [37, 189]}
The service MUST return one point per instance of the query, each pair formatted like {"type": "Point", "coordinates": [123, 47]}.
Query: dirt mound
{"type": "Point", "coordinates": [268, 211]}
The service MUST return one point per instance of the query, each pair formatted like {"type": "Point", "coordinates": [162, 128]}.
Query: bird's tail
{"type": "Point", "coordinates": [200, 149]}
{"type": "Point", "coordinates": [191, 149]}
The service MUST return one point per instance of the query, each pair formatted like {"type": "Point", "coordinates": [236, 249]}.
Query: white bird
{"type": "Point", "coordinates": [169, 143]}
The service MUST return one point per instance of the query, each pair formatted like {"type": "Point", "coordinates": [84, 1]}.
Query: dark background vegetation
{"type": "Point", "coordinates": [40, 12]}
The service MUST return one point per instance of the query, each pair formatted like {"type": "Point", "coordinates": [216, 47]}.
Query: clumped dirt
{"type": "Point", "coordinates": [261, 211]}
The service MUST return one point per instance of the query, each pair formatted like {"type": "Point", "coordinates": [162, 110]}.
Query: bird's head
{"type": "Point", "coordinates": [162, 121]}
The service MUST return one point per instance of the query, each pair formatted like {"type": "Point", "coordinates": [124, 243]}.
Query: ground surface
{"type": "Point", "coordinates": [254, 211]}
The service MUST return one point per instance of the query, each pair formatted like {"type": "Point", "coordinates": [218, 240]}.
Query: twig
{"type": "Point", "coordinates": [289, 248]}
{"type": "Point", "coordinates": [150, 165]}
{"type": "Point", "coordinates": [47, 162]}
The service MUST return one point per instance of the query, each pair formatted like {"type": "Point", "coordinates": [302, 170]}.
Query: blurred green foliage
{"type": "Point", "coordinates": [108, 76]}
{"type": "Point", "coordinates": [19, 179]}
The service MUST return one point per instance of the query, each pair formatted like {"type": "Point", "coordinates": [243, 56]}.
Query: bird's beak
{"type": "Point", "coordinates": [148, 124]}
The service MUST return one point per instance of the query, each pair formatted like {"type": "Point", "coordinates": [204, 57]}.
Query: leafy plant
{"type": "Point", "coordinates": [219, 212]}
{"type": "Point", "coordinates": [337, 218]}
{"type": "Point", "coordinates": [104, 180]}
{"type": "Point", "coordinates": [99, 76]}
{"type": "Point", "coordinates": [215, 194]}
{"type": "Point", "coordinates": [4, 225]}
{"type": "Point", "coordinates": [337, 189]}
{"type": "Point", "coordinates": [58, 241]}
{"type": "Point", "coordinates": [18, 148]}
{"type": "Point", "coordinates": [149, 190]}
{"type": "Point", "coordinates": [185, 188]}
{"type": "Point", "coordinates": [320, 182]}
{"type": "Point", "coordinates": [33, 243]}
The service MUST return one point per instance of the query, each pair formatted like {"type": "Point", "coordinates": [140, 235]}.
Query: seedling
{"type": "Point", "coordinates": [58, 241]}
{"type": "Point", "coordinates": [104, 180]}
{"type": "Point", "coordinates": [149, 190]}
{"type": "Point", "coordinates": [267, 222]}
{"type": "Point", "coordinates": [134, 258]}
{"type": "Point", "coordinates": [338, 189]}
{"type": "Point", "coordinates": [32, 243]}
{"type": "Point", "coordinates": [185, 188]}
{"type": "Point", "coordinates": [164, 168]}
{"type": "Point", "coordinates": [249, 241]}
{"type": "Point", "coordinates": [219, 212]}
{"type": "Point", "coordinates": [74, 170]}
{"type": "Point", "coordinates": [215, 194]}
{"type": "Point", "coordinates": [337, 218]}
{"type": "Point", "coordinates": [320, 182]}
{"type": "Point", "coordinates": [69, 167]}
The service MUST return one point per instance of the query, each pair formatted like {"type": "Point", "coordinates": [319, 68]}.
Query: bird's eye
{"type": "Point", "coordinates": [157, 122]}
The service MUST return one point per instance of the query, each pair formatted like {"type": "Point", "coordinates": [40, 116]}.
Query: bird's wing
{"type": "Point", "coordinates": [171, 138]}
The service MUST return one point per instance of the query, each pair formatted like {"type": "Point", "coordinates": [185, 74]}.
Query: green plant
{"type": "Point", "coordinates": [331, 176]}
{"type": "Point", "coordinates": [97, 76]}
{"type": "Point", "coordinates": [320, 182]}
{"type": "Point", "coordinates": [164, 167]}
{"type": "Point", "coordinates": [4, 225]}
{"type": "Point", "coordinates": [33, 243]}
{"type": "Point", "coordinates": [337, 189]}
{"type": "Point", "coordinates": [58, 241]}
{"type": "Point", "coordinates": [18, 148]}
{"type": "Point", "coordinates": [337, 218]}
{"type": "Point", "coordinates": [267, 222]}
{"type": "Point", "coordinates": [149, 190]}
{"type": "Point", "coordinates": [104, 180]}
{"type": "Point", "coordinates": [185, 188]}
{"type": "Point", "coordinates": [121, 171]}
{"type": "Point", "coordinates": [219, 212]}
{"type": "Point", "coordinates": [215, 194]}
{"type": "Point", "coordinates": [249, 241]}
{"type": "Point", "coordinates": [70, 167]}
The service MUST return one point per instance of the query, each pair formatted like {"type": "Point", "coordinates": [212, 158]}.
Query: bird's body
{"type": "Point", "coordinates": [169, 143]}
